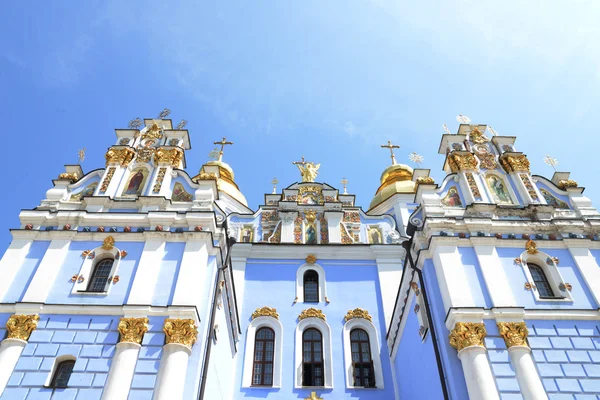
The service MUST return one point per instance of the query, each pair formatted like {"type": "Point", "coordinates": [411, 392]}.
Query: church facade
{"type": "Point", "coordinates": [140, 281]}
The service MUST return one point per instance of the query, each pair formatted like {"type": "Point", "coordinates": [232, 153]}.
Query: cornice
{"type": "Point", "coordinates": [322, 252]}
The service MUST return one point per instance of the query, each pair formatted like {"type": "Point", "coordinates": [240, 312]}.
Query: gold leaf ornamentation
{"type": "Point", "coordinates": [265, 312]}
{"type": "Point", "coordinates": [566, 183]}
{"type": "Point", "coordinates": [159, 180]}
{"type": "Point", "coordinates": [132, 329]}
{"type": "Point", "coordinates": [108, 243]}
{"type": "Point", "coordinates": [107, 179]}
{"type": "Point", "coordinates": [515, 163]}
{"type": "Point", "coordinates": [205, 177]}
{"type": "Point", "coordinates": [467, 334]}
{"type": "Point", "coordinates": [487, 160]}
{"type": "Point", "coordinates": [121, 156]}
{"type": "Point", "coordinates": [529, 285]}
{"type": "Point", "coordinates": [70, 176]}
{"type": "Point", "coordinates": [461, 162]}
{"type": "Point", "coordinates": [477, 137]}
{"type": "Point", "coordinates": [531, 247]}
{"type": "Point", "coordinates": [425, 180]}
{"type": "Point", "coordinates": [311, 259]}
{"type": "Point", "coordinates": [513, 333]}
{"type": "Point", "coordinates": [180, 331]}
{"type": "Point", "coordinates": [311, 215]}
{"type": "Point", "coordinates": [313, 396]}
{"type": "Point", "coordinates": [153, 133]}
{"type": "Point", "coordinates": [311, 313]}
{"type": "Point", "coordinates": [169, 156]}
{"type": "Point", "coordinates": [357, 313]}
{"type": "Point", "coordinates": [145, 154]}
{"type": "Point", "coordinates": [21, 326]}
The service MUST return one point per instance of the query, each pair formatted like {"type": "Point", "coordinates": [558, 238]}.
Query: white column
{"type": "Point", "coordinates": [46, 273]}
{"type": "Point", "coordinates": [334, 219]}
{"type": "Point", "coordinates": [529, 380]}
{"type": "Point", "coordinates": [181, 334]}
{"type": "Point", "coordinates": [478, 374]}
{"type": "Point", "coordinates": [11, 262]}
{"type": "Point", "coordinates": [122, 368]}
{"type": "Point", "coordinates": [10, 351]}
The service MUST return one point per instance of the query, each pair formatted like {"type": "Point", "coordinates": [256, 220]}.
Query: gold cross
{"type": "Point", "coordinates": [300, 162]}
{"type": "Point", "coordinates": [222, 143]}
{"type": "Point", "coordinates": [313, 396]}
{"type": "Point", "coordinates": [391, 146]}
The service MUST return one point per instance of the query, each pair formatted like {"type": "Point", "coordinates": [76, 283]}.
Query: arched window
{"type": "Point", "coordinates": [311, 286]}
{"type": "Point", "coordinates": [62, 373]}
{"type": "Point", "coordinates": [362, 363]}
{"type": "Point", "coordinates": [540, 280]}
{"type": "Point", "coordinates": [100, 275]}
{"type": "Point", "coordinates": [312, 358]}
{"type": "Point", "coordinates": [264, 351]}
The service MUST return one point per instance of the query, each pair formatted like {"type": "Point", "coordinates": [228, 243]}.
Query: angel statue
{"type": "Point", "coordinates": [308, 170]}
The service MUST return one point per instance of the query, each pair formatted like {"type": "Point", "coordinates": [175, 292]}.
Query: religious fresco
{"type": "Point", "coordinates": [498, 189]}
{"type": "Point", "coordinates": [136, 182]}
{"type": "Point", "coordinates": [553, 201]}
{"type": "Point", "coordinates": [87, 191]}
{"type": "Point", "coordinates": [247, 234]}
{"type": "Point", "coordinates": [310, 234]}
{"type": "Point", "coordinates": [374, 235]}
{"type": "Point", "coordinates": [180, 194]}
{"type": "Point", "coordinates": [452, 198]}
{"type": "Point", "coordinates": [311, 195]}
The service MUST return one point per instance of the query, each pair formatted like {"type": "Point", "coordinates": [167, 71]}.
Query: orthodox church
{"type": "Point", "coordinates": [140, 281]}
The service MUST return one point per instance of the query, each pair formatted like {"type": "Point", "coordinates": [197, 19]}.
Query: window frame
{"type": "Point", "coordinates": [367, 326]}
{"type": "Point", "coordinates": [58, 361]}
{"type": "Point", "coordinates": [300, 282]}
{"type": "Point", "coordinates": [311, 274]}
{"type": "Point", "coordinates": [247, 371]}
{"type": "Point", "coordinates": [312, 362]}
{"type": "Point", "coordinates": [325, 330]}
{"type": "Point", "coordinates": [263, 363]}
{"type": "Point", "coordinates": [94, 274]}
{"type": "Point", "coordinates": [363, 363]}
{"type": "Point", "coordinates": [88, 265]}
{"type": "Point", "coordinates": [550, 269]}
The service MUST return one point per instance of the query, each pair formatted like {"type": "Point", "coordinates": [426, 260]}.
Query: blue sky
{"type": "Point", "coordinates": [330, 80]}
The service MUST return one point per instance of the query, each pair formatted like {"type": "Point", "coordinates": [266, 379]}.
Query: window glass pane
{"type": "Point", "coordinates": [540, 280]}
{"type": "Point", "coordinates": [63, 373]}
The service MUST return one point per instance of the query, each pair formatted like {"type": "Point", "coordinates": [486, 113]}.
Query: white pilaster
{"type": "Point", "coordinates": [478, 373]}
{"type": "Point", "coordinates": [494, 276]}
{"type": "Point", "coordinates": [390, 272]}
{"type": "Point", "coordinates": [287, 226]}
{"type": "Point", "coordinates": [192, 273]}
{"type": "Point", "coordinates": [529, 380]}
{"type": "Point", "coordinates": [47, 271]}
{"type": "Point", "coordinates": [11, 262]}
{"type": "Point", "coordinates": [10, 351]}
{"type": "Point", "coordinates": [170, 381]}
{"type": "Point", "coordinates": [121, 372]}
{"type": "Point", "coordinates": [334, 219]}
{"type": "Point", "coordinates": [588, 267]}
{"type": "Point", "coordinates": [144, 282]}
{"type": "Point", "coordinates": [452, 278]}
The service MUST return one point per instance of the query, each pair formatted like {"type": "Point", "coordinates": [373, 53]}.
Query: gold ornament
{"type": "Point", "coordinates": [566, 183]}
{"type": "Point", "coordinates": [425, 180]}
{"type": "Point", "coordinates": [357, 313]}
{"type": "Point", "coordinates": [515, 163]}
{"type": "Point", "coordinates": [466, 334]}
{"type": "Point", "coordinates": [108, 243]}
{"type": "Point", "coordinates": [181, 331]}
{"type": "Point", "coordinates": [153, 133]}
{"type": "Point", "coordinates": [487, 160]}
{"type": "Point", "coordinates": [132, 329]}
{"type": "Point", "coordinates": [69, 176]}
{"type": "Point", "coordinates": [121, 156]}
{"type": "Point", "coordinates": [265, 312]}
{"type": "Point", "coordinates": [311, 259]}
{"type": "Point", "coordinates": [169, 156]}
{"type": "Point", "coordinates": [513, 333]}
{"type": "Point", "coordinates": [477, 137]}
{"type": "Point", "coordinates": [461, 162]}
{"type": "Point", "coordinates": [145, 154]}
{"type": "Point", "coordinates": [311, 215]}
{"type": "Point", "coordinates": [531, 247]}
{"type": "Point", "coordinates": [205, 177]}
{"type": "Point", "coordinates": [313, 396]}
{"type": "Point", "coordinates": [311, 313]}
{"type": "Point", "coordinates": [107, 179]}
{"type": "Point", "coordinates": [159, 180]}
{"type": "Point", "coordinates": [21, 326]}
{"type": "Point", "coordinates": [308, 170]}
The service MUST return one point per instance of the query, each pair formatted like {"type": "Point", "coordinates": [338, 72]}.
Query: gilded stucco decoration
{"type": "Point", "coordinates": [265, 312]}
{"type": "Point", "coordinates": [311, 259]}
{"type": "Point", "coordinates": [298, 230]}
{"type": "Point", "coordinates": [154, 132]}
{"type": "Point", "coordinates": [461, 162]}
{"type": "Point", "coordinates": [357, 313]}
{"type": "Point", "coordinates": [207, 177]}
{"type": "Point", "coordinates": [513, 333]}
{"type": "Point", "coordinates": [531, 247]}
{"type": "Point", "coordinates": [425, 180]}
{"type": "Point", "coordinates": [477, 137]}
{"type": "Point", "coordinates": [487, 160]}
{"type": "Point", "coordinates": [107, 179]}
{"type": "Point", "coordinates": [180, 331]}
{"type": "Point", "coordinates": [473, 186]}
{"type": "Point", "coordinates": [132, 329]}
{"type": "Point", "coordinates": [145, 154]}
{"type": "Point", "coordinates": [324, 229]}
{"type": "Point", "coordinates": [529, 186]}
{"type": "Point", "coordinates": [515, 163]}
{"type": "Point", "coordinates": [313, 396]}
{"type": "Point", "coordinates": [566, 183]}
{"type": "Point", "coordinates": [21, 326]}
{"type": "Point", "coordinates": [467, 334]}
{"type": "Point", "coordinates": [310, 195]}
{"type": "Point", "coordinates": [169, 156]}
{"type": "Point", "coordinates": [311, 313]}
{"type": "Point", "coordinates": [121, 156]}
{"type": "Point", "coordinates": [69, 176]}
{"type": "Point", "coordinates": [159, 180]}
{"type": "Point", "coordinates": [108, 243]}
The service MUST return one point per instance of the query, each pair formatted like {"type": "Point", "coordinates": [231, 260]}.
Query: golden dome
{"type": "Point", "coordinates": [396, 178]}
{"type": "Point", "coordinates": [225, 182]}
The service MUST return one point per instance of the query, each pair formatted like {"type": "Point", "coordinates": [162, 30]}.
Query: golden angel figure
{"type": "Point", "coordinates": [309, 171]}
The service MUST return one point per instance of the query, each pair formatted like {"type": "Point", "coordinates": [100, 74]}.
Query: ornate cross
{"type": "Point", "coordinates": [344, 182]}
{"type": "Point", "coordinates": [391, 146]}
{"type": "Point", "coordinates": [300, 162]}
{"type": "Point", "coordinates": [223, 143]}
{"type": "Point", "coordinates": [164, 113]}
{"type": "Point", "coordinates": [274, 182]}
{"type": "Point", "coordinates": [551, 161]}
{"type": "Point", "coordinates": [81, 154]}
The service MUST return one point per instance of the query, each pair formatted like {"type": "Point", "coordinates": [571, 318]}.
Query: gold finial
{"type": "Point", "coordinates": [344, 182]}
{"type": "Point", "coordinates": [308, 170]}
{"type": "Point", "coordinates": [223, 143]}
{"type": "Point", "coordinates": [313, 396]}
{"type": "Point", "coordinates": [81, 154]}
{"type": "Point", "coordinates": [274, 182]}
{"type": "Point", "coordinates": [391, 146]}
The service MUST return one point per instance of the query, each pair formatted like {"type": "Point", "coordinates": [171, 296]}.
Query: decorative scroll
{"type": "Point", "coordinates": [107, 179]}
{"type": "Point", "coordinates": [21, 326]}
{"type": "Point", "coordinates": [169, 156]}
{"type": "Point", "coordinates": [529, 187]}
{"type": "Point", "coordinates": [121, 156]}
{"type": "Point", "coordinates": [515, 163]}
{"type": "Point", "coordinates": [311, 313]}
{"type": "Point", "coordinates": [531, 247]}
{"type": "Point", "coordinates": [159, 180]}
{"type": "Point", "coordinates": [357, 313]}
{"type": "Point", "coordinates": [108, 243]}
{"type": "Point", "coordinates": [566, 183]}
{"type": "Point", "coordinates": [180, 331]}
{"type": "Point", "coordinates": [311, 259]}
{"type": "Point", "coordinates": [473, 186]}
{"type": "Point", "coordinates": [462, 162]}
{"type": "Point", "coordinates": [132, 329]}
{"type": "Point", "coordinates": [513, 333]}
{"type": "Point", "coordinates": [265, 312]}
{"type": "Point", "coordinates": [467, 334]}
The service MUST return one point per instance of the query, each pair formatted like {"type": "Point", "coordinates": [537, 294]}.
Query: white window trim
{"type": "Point", "coordinates": [366, 325]}
{"type": "Point", "coordinates": [552, 274]}
{"type": "Point", "coordinates": [58, 360]}
{"type": "Point", "coordinates": [300, 282]}
{"type": "Point", "coordinates": [87, 267]}
{"type": "Point", "coordinates": [256, 324]}
{"type": "Point", "coordinates": [507, 185]}
{"type": "Point", "coordinates": [323, 327]}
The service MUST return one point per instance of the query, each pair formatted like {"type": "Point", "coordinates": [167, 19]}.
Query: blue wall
{"type": "Point", "coordinates": [350, 284]}
{"type": "Point", "coordinates": [25, 274]}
